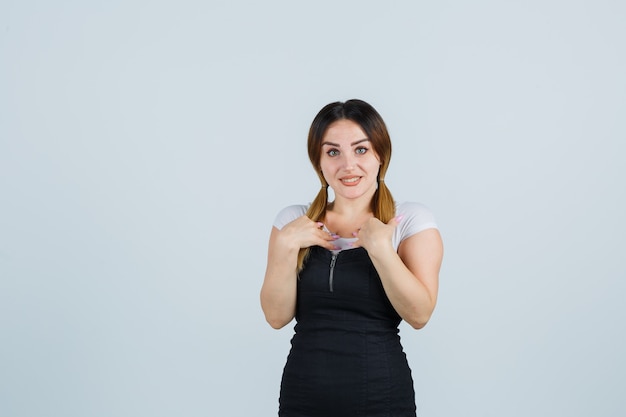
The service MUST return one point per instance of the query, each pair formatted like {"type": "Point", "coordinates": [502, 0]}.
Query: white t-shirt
{"type": "Point", "coordinates": [416, 217]}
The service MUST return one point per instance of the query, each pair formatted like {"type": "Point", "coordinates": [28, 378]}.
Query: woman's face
{"type": "Point", "coordinates": [348, 162]}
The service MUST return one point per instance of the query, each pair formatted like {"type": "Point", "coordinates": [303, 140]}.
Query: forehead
{"type": "Point", "coordinates": [343, 131]}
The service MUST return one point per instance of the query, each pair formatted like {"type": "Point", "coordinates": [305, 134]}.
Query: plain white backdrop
{"type": "Point", "coordinates": [146, 146]}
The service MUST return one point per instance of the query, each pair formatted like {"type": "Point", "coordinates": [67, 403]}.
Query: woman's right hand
{"type": "Point", "coordinates": [278, 294]}
{"type": "Point", "coordinates": [303, 233]}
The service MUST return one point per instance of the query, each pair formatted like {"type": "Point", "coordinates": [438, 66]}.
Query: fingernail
{"type": "Point", "coordinates": [320, 224]}
{"type": "Point", "coordinates": [355, 234]}
{"type": "Point", "coordinates": [334, 236]}
{"type": "Point", "coordinates": [336, 247]}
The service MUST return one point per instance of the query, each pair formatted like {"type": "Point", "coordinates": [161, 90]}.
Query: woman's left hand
{"type": "Point", "coordinates": [374, 234]}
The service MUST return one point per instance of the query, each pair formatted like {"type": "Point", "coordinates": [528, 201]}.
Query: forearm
{"type": "Point", "coordinates": [411, 299]}
{"type": "Point", "coordinates": [278, 294]}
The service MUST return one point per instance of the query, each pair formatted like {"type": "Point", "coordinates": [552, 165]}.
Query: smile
{"type": "Point", "coordinates": [352, 180]}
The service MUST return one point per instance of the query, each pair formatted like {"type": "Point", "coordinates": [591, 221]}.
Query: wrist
{"type": "Point", "coordinates": [381, 250]}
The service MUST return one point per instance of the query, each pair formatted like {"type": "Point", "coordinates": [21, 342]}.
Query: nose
{"type": "Point", "coordinates": [349, 161]}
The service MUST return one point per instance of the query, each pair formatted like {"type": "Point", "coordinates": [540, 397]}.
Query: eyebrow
{"type": "Point", "coordinates": [352, 144]}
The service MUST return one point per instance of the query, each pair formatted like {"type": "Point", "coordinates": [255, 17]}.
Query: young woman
{"type": "Point", "coordinates": [349, 271]}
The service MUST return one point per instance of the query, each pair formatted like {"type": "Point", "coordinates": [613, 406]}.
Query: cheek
{"type": "Point", "coordinates": [375, 164]}
{"type": "Point", "coordinates": [327, 166]}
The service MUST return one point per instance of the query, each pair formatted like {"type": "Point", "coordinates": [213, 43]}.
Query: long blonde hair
{"type": "Point", "coordinates": [363, 114]}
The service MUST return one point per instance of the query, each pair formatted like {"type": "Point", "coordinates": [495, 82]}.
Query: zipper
{"type": "Point", "coordinates": [333, 260]}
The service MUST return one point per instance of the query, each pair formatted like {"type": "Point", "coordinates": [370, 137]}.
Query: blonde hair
{"type": "Point", "coordinates": [363, 114]}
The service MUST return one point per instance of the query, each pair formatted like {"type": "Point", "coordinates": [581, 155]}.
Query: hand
{"type": "Point", "coordinates": [303, 233]}
{"type": "Point", "coordinates": [375, 234]}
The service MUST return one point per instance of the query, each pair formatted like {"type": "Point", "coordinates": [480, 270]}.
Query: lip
{"type": "Point", "coordinates": [351, 181]}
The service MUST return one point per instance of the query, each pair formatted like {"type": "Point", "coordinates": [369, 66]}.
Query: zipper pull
{"type": "Point", "coordinates": [333, 260]}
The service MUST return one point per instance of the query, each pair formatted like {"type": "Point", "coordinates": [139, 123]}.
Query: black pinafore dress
{"type": "Point", "coordinates": [346, 358]}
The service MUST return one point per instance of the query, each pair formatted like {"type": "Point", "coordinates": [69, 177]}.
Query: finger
{"type": "Point", "coordinates": [325, 239]}
{"type": "Point", "coordinates": [395, 220]}
{"type": "Point", "coordinates": [328, 244]}
{"type": "Point", "coordinates": [332, 246]}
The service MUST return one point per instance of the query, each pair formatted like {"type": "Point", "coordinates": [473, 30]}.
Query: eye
{"type": "Point", "coordinates": [332, 152]}
{"type": "Point", "coordinates": [360, 150]}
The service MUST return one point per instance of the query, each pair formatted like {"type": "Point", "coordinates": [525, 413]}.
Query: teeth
{"type": "Point", "coordinates": [355, 179]}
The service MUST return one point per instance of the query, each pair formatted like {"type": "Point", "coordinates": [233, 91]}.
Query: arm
{"type": "Point", "coordinates": [278, 294]}
{"type": "Point", "coordinates": [409, 276]}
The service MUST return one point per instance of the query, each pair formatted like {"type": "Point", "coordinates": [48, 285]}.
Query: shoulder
{"type": "Point", "coordinates": [415, 218]}
{"type": "Point", "coordinates": [289, 214]}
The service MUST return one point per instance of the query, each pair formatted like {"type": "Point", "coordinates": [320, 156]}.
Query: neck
{"type": "Point", "coordinates": [351, 208]}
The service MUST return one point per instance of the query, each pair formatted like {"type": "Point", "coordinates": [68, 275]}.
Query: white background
{"type": "Point", "coordinates": [146, 146]}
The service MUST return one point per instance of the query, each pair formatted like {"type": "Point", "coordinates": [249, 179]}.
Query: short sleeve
{"type": "Point", "coordinates": [289, 214]}
{"type": "Point", "coordinates": [415, 218]}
